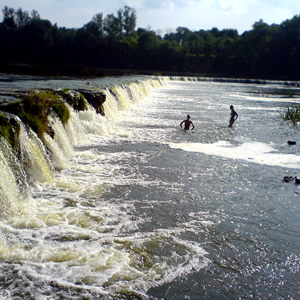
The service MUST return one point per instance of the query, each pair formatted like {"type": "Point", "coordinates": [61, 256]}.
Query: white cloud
{"type": "Point", "coordinates": [205, 14]}
{"type": "Point", "coordinates": [162, 14]}
{"type": "Point", "coordinates": [81, 12]}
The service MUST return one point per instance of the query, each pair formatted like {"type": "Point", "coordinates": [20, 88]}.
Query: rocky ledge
{"type": "Point", "coordinates": [34, 107]}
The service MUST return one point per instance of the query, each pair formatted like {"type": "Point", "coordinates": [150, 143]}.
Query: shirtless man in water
{"type": "Point", "coordinates": [233, 116]}
{"type": "Point", "coordinates": [187, 123]}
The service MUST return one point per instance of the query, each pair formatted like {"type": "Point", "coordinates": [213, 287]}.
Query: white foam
{"type": "Point", "coordinates": [9, 191]}
{"type": "Point", "coordinates": [256, 152]}
{"type": "Point", "coordinates": [266, 99]}
{"type": "Point", "coordinates": [39, 166]}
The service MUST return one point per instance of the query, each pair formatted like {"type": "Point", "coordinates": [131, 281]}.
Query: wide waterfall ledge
{"type": "Point", "coordinates": [39, 129]}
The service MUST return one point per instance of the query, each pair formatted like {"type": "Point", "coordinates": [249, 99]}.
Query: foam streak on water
{"type": "Point", "coordinates": [250, 151]}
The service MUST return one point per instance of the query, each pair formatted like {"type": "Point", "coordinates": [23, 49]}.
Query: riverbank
{"type": "Point", "coordinates": [79, 71]}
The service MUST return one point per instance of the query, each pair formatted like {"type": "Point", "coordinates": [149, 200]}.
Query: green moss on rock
{"type": "Point", "coordinates": [10, 130]}
{"type": "Point", "coordinates": [35, 108]}
{"type": "Point", "coordinates": [75, 99]}
{"type": "Point", "coordinates": [62, 111]}
{"type": "Point", "coordinates": [96, 99]}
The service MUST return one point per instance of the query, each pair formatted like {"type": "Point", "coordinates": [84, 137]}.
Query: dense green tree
{"type": "Point", "coordinates": [95, 26]}
{"type": "Point", "coordinates": [123, 23]}
{"type": "Point", "coordinates": [148, 43]}
{"type": "Point", "coordinates": [210, 44]}
{"type": "Point", "coordinates": [270, 51]}
{"type": "Point", "coordinates": [9, 18]}
{"type": "Point", "coordinates": [18, 18]}
{"type": "Point", "coordinates": [112, 25]}
{"type": "Point", "coordinates": [37, 41]}
{"type": "Point", "coordinates": [290, 45]}
{"type": "Point", "coordinates": [129, 20]}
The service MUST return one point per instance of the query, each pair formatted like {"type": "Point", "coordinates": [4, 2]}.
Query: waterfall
{"type": "Point", "coordinates": [124, 96]}
{"type": "Point", "coordinates": [60, 146]}
{"type": "Point", "coordinates": [111, 106]}
{"type": "Point", "coordinates": [10, 173]}
{"type": "Point", "coordinates": [235, 80]}
{"type": "Point", "coordinates": [94, 123]}
{"type": "Point", "coordinates": [37, 160]}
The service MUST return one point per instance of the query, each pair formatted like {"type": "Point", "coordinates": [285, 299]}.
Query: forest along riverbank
{"type": "Point", "coordinates": [120, 202]}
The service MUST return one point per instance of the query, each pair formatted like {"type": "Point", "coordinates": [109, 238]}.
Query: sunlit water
{"type": "Point", "coordinates": [145, 210]}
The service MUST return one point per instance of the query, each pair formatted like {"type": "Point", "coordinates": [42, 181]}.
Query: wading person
{"type": "Point", "coordinates": [233, 116]}
{"type": "Point", "coordinates": [187, 123]}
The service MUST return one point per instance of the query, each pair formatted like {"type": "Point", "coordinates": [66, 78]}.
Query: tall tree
{"type": "Point", "coordinates": [9, 17]}
{"type": "Point", "coordinates": [22, 17]}
{"type": "Point", "coordinates": [18, 18]}
{"type": "Point", "coordinates": [129, 20]}
{"type": "Point", "coordinates": [113, 25]}
{"type": "Point", "coordinates": [96, 25]}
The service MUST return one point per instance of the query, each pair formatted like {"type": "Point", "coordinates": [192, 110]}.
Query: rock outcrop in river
{"type": "Point", "coordinates": [34, 107]}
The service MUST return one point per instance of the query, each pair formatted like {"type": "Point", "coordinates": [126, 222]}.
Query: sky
{"type": "Point", "coordinates": [164, 16]}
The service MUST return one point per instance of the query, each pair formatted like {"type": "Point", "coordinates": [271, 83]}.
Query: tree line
{"type": "Point", "coordinates": [113, 42]}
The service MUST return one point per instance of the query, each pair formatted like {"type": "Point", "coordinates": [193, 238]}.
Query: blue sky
{"type": "Point", "coordinates": [165, 15]}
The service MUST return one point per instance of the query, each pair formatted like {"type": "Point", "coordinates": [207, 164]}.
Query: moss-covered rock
{"type": "Point", "coordinates": [61, 110]}
{"type": "Point", "coordinates": [10, 130]}
{"type": "Point", "coordinates": [96, 99]}
{"type": "Point", "coordinates": [34, 110]}
{"type": "Point", "coordinates": [75, 99]}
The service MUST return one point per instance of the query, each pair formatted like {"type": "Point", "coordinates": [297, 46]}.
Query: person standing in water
{"type": "Point", "coordinates": [233, 117]}
{"type": "Point", "coordinates": [187, 123]}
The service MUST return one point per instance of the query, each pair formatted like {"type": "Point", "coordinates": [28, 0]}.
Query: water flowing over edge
{"type": "Point", "coordinates": [37, 161]}
{"type": "Point", "coordinates": [40, 163]}
{"type": "Point", "coordinates": [236, 80]}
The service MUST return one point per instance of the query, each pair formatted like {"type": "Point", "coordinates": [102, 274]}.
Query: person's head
{"type": "Point", "coordinates": [231, 107]}
{"type": "Point", "coordinates": [188, 116]}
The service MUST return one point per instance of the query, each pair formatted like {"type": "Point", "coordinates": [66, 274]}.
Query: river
{"type": "Point", "coordinates": [129, 206]}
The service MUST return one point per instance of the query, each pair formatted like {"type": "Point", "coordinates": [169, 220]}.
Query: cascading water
{"type": "Point", "coordinates": [35, 159]}
{"type": "Point", "coordinates": [70, 209]}
{"type": "Point", "coordinates": [9, 187]}
{"type": "Point", "coordinates": [39, 163]}
{"type": "Point", "coordinates": [36, 163]}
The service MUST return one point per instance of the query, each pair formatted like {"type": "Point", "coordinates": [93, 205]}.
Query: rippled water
{"type": "Point", "coordinates": [149, 211]}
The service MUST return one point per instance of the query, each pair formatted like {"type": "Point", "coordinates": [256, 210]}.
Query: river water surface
{"type": "Point", "coordinates": [141, 209]}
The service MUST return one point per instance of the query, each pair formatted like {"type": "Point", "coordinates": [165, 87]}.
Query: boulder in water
{"type": "Point", "coordinates": [96, 99]}
{"type": "Point", "coordinates": [287, 178]}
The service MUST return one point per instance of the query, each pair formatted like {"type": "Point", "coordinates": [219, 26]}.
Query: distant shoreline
{"type": "Point", "coordinates": [78, 71]}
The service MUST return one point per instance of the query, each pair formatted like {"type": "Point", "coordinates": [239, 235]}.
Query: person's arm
{"type": "Point", "coordinates": [181, 124]}
{"type": "Point", "coordinates": [192, 125]}
{"type": "Point", "coordinates": [236, 115]}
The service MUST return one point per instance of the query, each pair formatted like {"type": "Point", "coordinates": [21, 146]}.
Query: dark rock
{"type": "Point", "coordinates": [10, 129]}
{"type": "Point", "coordinates": [287, 178]}
{"type": "Point", "coordinates": [297, 180]}
{"type": "Point", "coordinates": [96, 99]}
{"type": "Point", "coordinates": [291, 142]}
